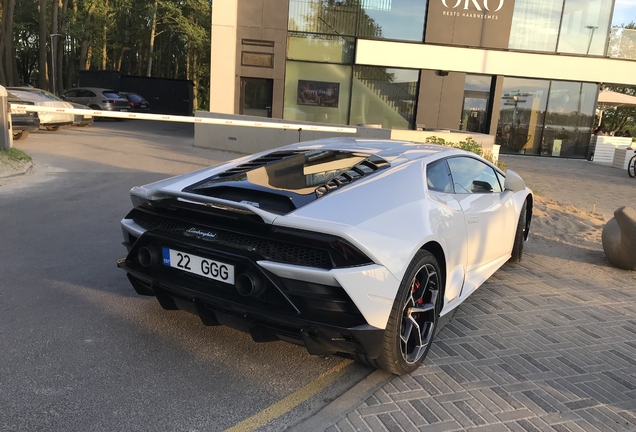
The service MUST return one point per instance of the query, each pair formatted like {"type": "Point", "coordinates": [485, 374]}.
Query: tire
{"type": "Point", "coordinates": [20, 136]}
{"type": "Point", "coordinates": [631, 167]}
{"type": "Point", "coordinates": [520, 236]}
{"type": "Point", "coordinates": [409, 333]}
{"type": "Point", "coordinates": [52, 128]}
{"type": "Point", "coordinates": [96, 108]}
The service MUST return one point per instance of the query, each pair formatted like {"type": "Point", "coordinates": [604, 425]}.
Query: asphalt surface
{"type": "Point", "coordinates": [79, 349]}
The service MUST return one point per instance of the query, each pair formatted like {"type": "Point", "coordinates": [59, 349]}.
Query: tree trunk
{"type": "Point", "coordinates": [60, 48]}
{"type": "Point", "coordinates": [3, 20]}
{"type": "Point", "coordinates": [89, 56]}
{"type": "Point", "coordinates": [195, 79]}
{"type": "Point", "coordinates": [54, 42]}
{"type": "Point", "coordinates": [153, 29]}
{"type": "Point", "coordinates": [43, 79]}
{"type": "Point", "coordinates": [85, 49]}
{"type": "Point", "coordinates": [104, 40]}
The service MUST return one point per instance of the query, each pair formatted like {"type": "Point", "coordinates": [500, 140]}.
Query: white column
{"type": "Point", "coordinates": [223, 56]}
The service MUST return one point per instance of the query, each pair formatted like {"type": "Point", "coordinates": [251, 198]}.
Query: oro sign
{"type": "Point", "coordinates": [479, 5]}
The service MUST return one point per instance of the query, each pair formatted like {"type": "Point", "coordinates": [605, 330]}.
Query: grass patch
{"type": "Point", "coordinates": [14, 155]}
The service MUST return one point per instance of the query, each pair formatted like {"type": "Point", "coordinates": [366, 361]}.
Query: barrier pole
{"type": "Point", "coordinates": [187, 119]}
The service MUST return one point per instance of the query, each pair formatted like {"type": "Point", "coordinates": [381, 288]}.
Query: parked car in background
{"type": "Point", "coordinates": [50, 121]}
{"type": "Point", "coordinates": [137, 102]}
{"type": "Point", "coordinates": [97, 98]}
{"type": "Point", "coordinates": [22, 122]}
{"type": "Point", "coordinates": [342, 245]}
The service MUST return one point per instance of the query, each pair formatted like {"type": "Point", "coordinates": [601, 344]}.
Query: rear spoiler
{"type": "Point", "coordinates": [140, 195]}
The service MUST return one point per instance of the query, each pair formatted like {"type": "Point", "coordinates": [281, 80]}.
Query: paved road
{"type": "Point", "coordinates": [79, 350]}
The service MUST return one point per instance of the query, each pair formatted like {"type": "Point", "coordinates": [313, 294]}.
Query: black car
{"type": "Point", "coordinates": [137, 102]}
{"type": "Point", "coordinates": [22, 122]}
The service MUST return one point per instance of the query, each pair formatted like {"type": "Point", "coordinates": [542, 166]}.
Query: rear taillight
{"type": "Point", "coordinates": [133, 104]}
{"type": "Point", "coordinates": [109, 101]}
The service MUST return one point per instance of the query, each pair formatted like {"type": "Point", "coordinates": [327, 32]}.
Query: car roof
{"type": "Point", "coordinates": [95, 89]}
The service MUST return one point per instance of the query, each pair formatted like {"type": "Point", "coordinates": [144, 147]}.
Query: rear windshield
{"type": "Point", "coordinates": [134, 98]}
{"type": "Point", "coordinates": [111, 95]}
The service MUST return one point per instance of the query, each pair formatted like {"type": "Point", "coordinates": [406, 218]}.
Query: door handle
{"type": "Point", "coordinates": [473, 219]}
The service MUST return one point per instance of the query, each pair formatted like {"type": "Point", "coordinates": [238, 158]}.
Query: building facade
{"type": "Point", "coordinates": [526, 71]}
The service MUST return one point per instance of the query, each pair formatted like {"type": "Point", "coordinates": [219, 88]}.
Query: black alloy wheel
{"type": "Point", "coordinates": [420, 314]}
{"type": "Point", "coordinates": [410, 330]}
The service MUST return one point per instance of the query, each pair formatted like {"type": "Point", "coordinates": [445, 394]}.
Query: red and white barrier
{"type": "Point", "coordinates": [185, 119]}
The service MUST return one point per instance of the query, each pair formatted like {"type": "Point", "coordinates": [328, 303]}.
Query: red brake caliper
{"type": "Point", "coordinates": [416, 286]}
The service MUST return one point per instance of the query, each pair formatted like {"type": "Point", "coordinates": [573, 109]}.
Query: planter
{"type": "Point", "coordinates": [622, 155]}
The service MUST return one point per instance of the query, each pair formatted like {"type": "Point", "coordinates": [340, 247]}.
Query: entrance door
{"type": "Point", "coordinates": [475, 112]}
{"type": "Point", "coordinates": [256, 96]}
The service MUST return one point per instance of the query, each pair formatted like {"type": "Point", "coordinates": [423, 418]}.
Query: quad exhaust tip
{"type": "Point", "coordinates": [149, 256]}
{"type": "Point", "coordinates": [248, 284]}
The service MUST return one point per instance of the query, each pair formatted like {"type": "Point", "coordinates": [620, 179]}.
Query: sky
{"type": "Point", "coordinates": [624, 12]}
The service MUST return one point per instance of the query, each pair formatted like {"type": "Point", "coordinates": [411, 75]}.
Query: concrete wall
{"type": "Point", "coordinates": [265, 21]}
{"type": "Point", "coordinates": [486, 141]}
{"type": "Point", "coordinates": [250, 140]}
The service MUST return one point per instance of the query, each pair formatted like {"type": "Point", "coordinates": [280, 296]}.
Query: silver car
{"type": "Point", "coordinates": [97, 98]}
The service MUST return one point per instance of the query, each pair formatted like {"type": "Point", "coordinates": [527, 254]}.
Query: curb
{"type": "Point", "coordinates": [352, 398]}
{"type": "Point", "coordinates": [27, 169]}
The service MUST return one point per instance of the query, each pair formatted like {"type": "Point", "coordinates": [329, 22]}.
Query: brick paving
{"type": "Point", "coordinates": [547, 345]}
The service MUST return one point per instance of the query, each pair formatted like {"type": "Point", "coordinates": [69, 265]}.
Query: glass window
{"type": "Point", "coordinates": [569, 119]}
{"type": "Point", "coordinates": [317, 92]}
{"type": "Point", "coordinates": [392, 19]}
{"type": "Point", "coordinates": [522, 114]}
{"type": "Point", "coordinates": [622, 43]}
{"type": "Point", "coordinates": [535, 25]}
{"type": "Point", "coordinates": [384, 96]}
{"type": "Point", "coordinates": [438, 177]}
{"type": "Point", "coordinates": [585, 26]}
{"type": "Point", "coordinates": [472, 176]}
{"type": "Point", "coordinates": [320, 48]}
{"type": "Point", "coordinates": [336, 17]}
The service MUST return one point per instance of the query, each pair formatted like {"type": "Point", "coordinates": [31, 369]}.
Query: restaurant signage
{"type": "Point", "coordinates": [474, 23]}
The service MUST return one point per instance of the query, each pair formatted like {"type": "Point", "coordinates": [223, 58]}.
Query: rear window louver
{"type": "Point", "coordinates": [253, 164]}
{"type": "Point", "coordinates": [367, 166]}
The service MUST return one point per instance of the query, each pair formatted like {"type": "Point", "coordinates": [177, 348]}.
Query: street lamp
{"type": "Point", "coordinates": [53, 50]}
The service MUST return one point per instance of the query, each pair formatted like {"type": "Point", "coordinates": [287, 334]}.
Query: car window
{"type": "Point", "coordinates": [502, 179]}
{"type": "Point", "coordinates": [133, 97]}
{"type": "Point", "coordinates": [70, 93]}
{"type": "Point", "coordinates": [111, 95]}
{"type": "Point", "coordinates": [438, 177]}
{"type": "Point", "coordinates": [472, 176]}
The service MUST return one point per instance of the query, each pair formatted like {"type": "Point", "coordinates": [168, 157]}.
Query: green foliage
{"type": "Point", "coordinates": [115, 35]}
{"type": "Point", "coordinates": [470, 145]}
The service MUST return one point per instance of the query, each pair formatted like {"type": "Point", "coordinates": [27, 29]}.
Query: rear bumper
{"type": "Point", "coordinates": [29, 124]}
{"type": "Point", "coordinates": [326, 322]}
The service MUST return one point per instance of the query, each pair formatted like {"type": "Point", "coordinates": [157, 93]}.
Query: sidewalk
{"type": "Point", "coordinates": [547, 345]}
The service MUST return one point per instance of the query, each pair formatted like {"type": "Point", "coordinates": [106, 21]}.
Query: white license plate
{"type": "Point", "coordinates": [201, 266]}
{"type": "Point", "coordinates": [18, 112]}
{"type": "Point", "coordinates": [124, 109]}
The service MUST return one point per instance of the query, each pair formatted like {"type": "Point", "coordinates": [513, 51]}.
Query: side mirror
{"type": "Point", "coordinates": [62, 97]}
{"type": "Point", "coordinates": [514, 182]}
{"type": "Point", "coordinates": [480, 186]}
